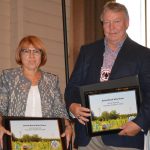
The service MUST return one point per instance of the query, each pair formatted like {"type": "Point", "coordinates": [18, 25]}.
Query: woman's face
{"type": "Point", "coordinates": [31, 58]}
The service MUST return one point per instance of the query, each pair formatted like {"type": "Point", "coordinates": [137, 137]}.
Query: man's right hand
{"type": "Point", "coordinates": [81, 113]}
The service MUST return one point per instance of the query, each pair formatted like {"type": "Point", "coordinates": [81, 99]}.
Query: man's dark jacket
{"type": "Point", "coordinates": [132, 59]}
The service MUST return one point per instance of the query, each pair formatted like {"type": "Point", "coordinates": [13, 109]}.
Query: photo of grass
{"type": "Point", "coordinates": [110, 121]}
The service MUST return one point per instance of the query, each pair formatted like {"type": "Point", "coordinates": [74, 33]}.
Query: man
{"type": "Point", "coordinates": [116, 56]}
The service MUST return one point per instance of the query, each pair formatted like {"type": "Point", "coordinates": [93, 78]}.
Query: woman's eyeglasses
{"type": "Point", "coordinates": [35, 52]}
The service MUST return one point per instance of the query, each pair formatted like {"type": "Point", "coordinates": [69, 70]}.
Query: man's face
{"type": "Point", "coordinates": [115, 25]}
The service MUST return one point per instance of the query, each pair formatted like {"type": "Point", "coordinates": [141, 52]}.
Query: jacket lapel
{"type": "Point", "coordinates": [95, 64]}
{"type": "Point", "coordinates": [120, 67]}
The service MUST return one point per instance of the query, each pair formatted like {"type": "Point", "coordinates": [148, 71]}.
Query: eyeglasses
{"type": "Point", "coordinates": [35, 52]}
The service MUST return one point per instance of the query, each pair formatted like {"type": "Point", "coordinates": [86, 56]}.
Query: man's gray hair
{"type": "Point", "coordinates": [114, 6]}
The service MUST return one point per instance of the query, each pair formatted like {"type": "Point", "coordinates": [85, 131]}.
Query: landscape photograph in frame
{"type": "Point", "coordinates": [35, 134]}
{"type": "Point", "coordinates": [112, 105]}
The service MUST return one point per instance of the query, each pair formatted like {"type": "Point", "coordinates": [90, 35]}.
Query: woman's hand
{"type": "Point", "coordinates": [2, 132]}
{"type": "Point", "coordinates": [81, 113]}
{"type": "Point", "coordinates": [68, 132]}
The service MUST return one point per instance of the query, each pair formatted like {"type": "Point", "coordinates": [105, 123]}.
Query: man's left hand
{"type": "Point", "coordinates": [130, 129]}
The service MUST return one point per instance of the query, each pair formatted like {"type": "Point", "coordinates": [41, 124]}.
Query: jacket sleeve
{"type": "Point", "coordinates": [72, 93]}
{"type": "Point", "coordinates": [59, 106]}
{"type": "Point", "coordinates": [143, 119]}
{"type": "Point", "coordinates": [4, 95]}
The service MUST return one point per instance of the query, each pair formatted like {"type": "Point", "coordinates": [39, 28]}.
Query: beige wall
{"type": "Point", "coordinates": [4, 34]}
{"type": "Point", "coordinates": [85, 25]}
{"type": "Point", "coordinates": [37, 17]}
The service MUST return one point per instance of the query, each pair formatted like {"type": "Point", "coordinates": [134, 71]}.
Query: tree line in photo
{"type": "Point", "coordinates": [110, 120]}
{"type": "Point", "coordinates": [111, 115]}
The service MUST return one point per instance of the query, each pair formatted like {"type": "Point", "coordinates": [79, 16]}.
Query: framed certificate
{"type": "Point", "coordinates": [112, 104]}
{"type": "Point", "coordinates": [34, 133]}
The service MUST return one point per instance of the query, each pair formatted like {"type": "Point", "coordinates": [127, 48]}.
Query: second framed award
{"type": "Point", "coordinates": [112, 104]}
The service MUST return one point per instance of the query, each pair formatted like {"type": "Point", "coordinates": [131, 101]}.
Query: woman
{"type": "Point", "coordinates": [29, 91]}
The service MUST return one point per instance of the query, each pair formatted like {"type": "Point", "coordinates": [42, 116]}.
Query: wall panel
{"type": "Point", "coordinates": [4, 34]}
{"type": "Point", "coordinates": [36, 17]}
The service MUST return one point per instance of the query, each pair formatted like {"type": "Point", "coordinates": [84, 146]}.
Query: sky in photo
{"type": "Point", "coordinates": [43, 128]}
{"type": "Point", "coordinates": [123, 102]}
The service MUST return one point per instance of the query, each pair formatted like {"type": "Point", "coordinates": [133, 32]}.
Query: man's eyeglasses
{"type": "Point", "coordinates": [27, 51]}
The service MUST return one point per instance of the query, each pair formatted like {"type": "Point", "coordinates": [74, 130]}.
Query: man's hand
{"type": "Point", "coordinates": [130, 129]}
{"type": "Point", "coordinates": [81, 113]}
